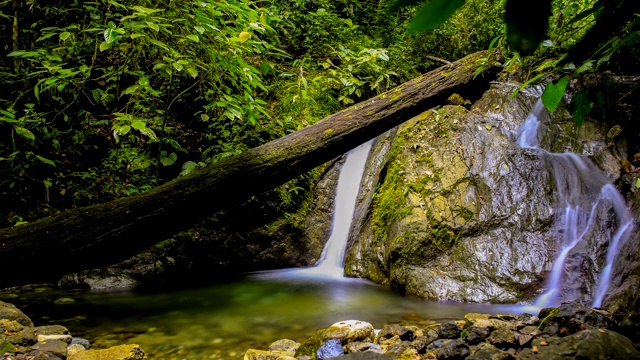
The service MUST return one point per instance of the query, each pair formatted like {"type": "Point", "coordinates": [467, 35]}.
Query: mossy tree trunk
{"type": "Point", "coordinates": [104, 234]}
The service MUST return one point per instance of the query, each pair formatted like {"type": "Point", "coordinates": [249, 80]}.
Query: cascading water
{"type": "Point", "coordinates": [331, 259]}
{"type": "Point", "coordinates": [592, 215]}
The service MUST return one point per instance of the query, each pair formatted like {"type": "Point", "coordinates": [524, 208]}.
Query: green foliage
{"type": "Point", "coordinates": [471, 28]}
{"type": "Point", "coordinates": [107, 99]}
{"type": "Point", "coordinates": [553, 93]}
{"type": "Point", "coordinates": [433, 13]}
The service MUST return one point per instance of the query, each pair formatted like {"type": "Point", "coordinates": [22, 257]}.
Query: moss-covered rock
{"type": "Point", "coordinates": [121, 352]}
{"type": "Point", "coordinates": [461, 212]}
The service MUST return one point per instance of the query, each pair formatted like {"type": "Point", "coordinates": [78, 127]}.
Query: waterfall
{"type": "Point", "coordinates": [332, 257]}
{"type": "Point", "coordinates": [594, 215]}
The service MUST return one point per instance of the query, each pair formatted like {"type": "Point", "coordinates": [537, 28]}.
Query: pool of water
{"type": "Point", "coordinates": [222, 321]}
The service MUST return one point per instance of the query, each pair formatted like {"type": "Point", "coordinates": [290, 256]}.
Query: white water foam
{"type": "Point", "coordinates": [588, 200]}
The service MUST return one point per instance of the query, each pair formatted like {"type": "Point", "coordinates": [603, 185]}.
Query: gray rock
{"type": "Point", "coordinates": [331, 348]}
{"type": "Point", "coordinates": [571, 318]}
{"type": "Point", "coordinates": [449, 330]}
{"type": "Point", "coordinates": [503, 338]}
{"type": "Point", "coordinates": [587, 344]}
{"type": "Point", "coordinates": [452, 350]}
{"type": "Point", "coordinates": [389, 331]}
{"type": "Point", "coordinates": [461, 213]}
{"type": "Point", "coordinates": [55, 347]}
{"type": "Point", "coordinates": [52, 330]}
{"type": "Point", "coordinates": [81, 341]}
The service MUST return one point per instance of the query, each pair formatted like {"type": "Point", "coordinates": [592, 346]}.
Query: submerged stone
{"type": "Point", "coordinates": [331, 348]}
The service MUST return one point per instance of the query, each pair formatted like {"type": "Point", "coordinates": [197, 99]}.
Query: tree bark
{"type": "Point", "coordinates": [104, 234]}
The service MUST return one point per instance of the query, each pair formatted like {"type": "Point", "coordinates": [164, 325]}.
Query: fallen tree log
{"type": "Point", "coordinates": [104, 234]}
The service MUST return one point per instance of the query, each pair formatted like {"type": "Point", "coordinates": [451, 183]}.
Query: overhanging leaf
{"type": "Point", "coordinates": [432, 14]}
{"type": "Point", "coordinates": [104, 46]}
{"type": "Point", "coordinates": [110, 35]}
{"type": "Point", "coordinates": [580, 106]}
{"type": "Point", "coordinates": [65, 35]}
{"type": "Point", "coordinates": [553, 93]}
{"type": "Point", "coordinates": [194, 38]}
{"type": "Point", "coordinates": [45, 160]}
{"type": "Point", "coordinates": [25, 133]}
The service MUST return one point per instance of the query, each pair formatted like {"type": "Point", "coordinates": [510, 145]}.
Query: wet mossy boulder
{"type": "Point", "coordinates": [460, 211]}
{"type": "Point", "coordinates": [121, 352]}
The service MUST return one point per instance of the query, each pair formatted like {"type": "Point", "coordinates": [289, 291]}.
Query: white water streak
{"type": "Point", "coordinates": [331, 260]}
{"type": "Point", "coordinates": [575, 182]}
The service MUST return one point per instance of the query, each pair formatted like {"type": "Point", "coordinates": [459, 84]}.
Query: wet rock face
{"type": "Point", "coordinates": [461, 212]}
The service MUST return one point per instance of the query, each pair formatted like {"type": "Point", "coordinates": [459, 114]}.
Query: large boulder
{"type": "Point", "coordinates": [462, 213]}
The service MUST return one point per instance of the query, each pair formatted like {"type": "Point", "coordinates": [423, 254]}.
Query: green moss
{"type": "Point", "coordinates": [328, 133]}
{"type": "Point", "coordinates": [7, 347]}
{"type": "Point", "coordinates": [552, 313]}
{"type": "Point", "coordinates": [389, 198]}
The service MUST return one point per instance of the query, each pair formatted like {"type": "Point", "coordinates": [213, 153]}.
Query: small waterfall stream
{"type": "Point", "coordinates": [332, 257]}
{"type": "Point", "coordinates": [594, 215]}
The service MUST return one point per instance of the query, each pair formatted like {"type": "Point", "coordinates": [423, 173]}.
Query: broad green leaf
{"type": "Point", "coordinates": [199, 29]}
{"type": "Point", "coordinates": [192, 71]}
{"type": "Point", "coordinates": [136, 35]}
{"type": "Point", "coordinates": [54, 57]}
{"type": "Point", "coordinates": [105, 46]}
{"type": "Point", "coordinates": [138, 125]}
{"type": "Point", "coordinates": [178, 66]}
{"type": "Point", "coordinates": [110, 35]}
{"type": "Point", "coordinates": [580, 106]}
{"type": "Point", "coordinates": [168, 160]}
{"type": "Point", "coordinates": [153, 25]}
{"type": "Point", "coordinates": [144, 81]}
{"type": "Point", "coordinates": [194, 38]}
{"type": "Point", "coordinates": [553, 93]}
{"type": "Point", "coordinates": [45, 37]}
{"type": "Point", "coordinates": [130, 90]}
{"type": "Point", "coordinates": [204, 117]}
{"type": "Point", "coordinates": [244, 36]}
{"type": "Point", "coordinates": [9, 115]}
{"type": "Point", "coordinates": [45, 160]}
{"type": "Point", "coordinates": [638, 183]}
{"type": "Point", "coordinates": [148, 132]}
{"type": "Point", "coordinates": [433, 13]}
{"type": "Point", "coordinates": [25, 133]}
{"type": "Point", "coordinates": [123, 130]}
{"type": "Point", "coordinates": [188, 167]}
{"type": "Point", "coordinates": [64, 36]}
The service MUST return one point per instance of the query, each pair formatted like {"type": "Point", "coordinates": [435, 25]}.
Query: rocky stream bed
{"type": "Point", "coordinates": [566, 332]}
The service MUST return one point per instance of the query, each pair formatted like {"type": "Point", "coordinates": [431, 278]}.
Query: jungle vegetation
{"type": "Point", "coordinates": [106, 99]}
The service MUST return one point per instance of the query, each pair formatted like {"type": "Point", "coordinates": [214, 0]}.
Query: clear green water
{"type": "Point", "coordinates": [222, 321]}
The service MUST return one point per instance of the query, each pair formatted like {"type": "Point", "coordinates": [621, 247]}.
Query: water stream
{"type": "Point", "coordinates": [332, 257]}
{"type": "Point", "coordinates": [591, 215]}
